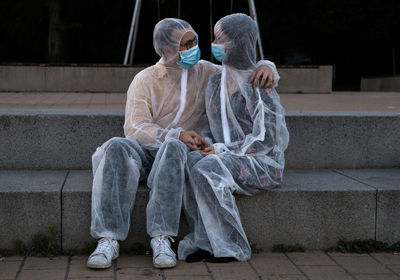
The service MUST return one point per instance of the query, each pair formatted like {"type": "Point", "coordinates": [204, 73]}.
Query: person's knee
{"type": "Point", "coordinates": [119, 145]}
{"type": "Point", "coordinates": [175, 147]}
{"type": "Point", "coordinates": [204, 166]}
{"type": "Point", "coordinates": [173, 143]}
{"type": "Point", "coordinates": [193, 157]}
{"type": "Point", "coordinates": [115, 145]}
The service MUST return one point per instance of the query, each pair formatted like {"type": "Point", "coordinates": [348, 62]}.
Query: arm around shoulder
{"type": "Point", "coordinates": [272, 66]}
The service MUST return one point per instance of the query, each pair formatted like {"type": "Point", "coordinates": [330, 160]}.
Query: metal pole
{"type": "Point", "coordinates": [133, 26]}
{"type": "Point", "coordinates": [253, 14]}
{"type": "Point", "coordinates": [135, 33]}
{"type": "Point", "coordinates": [211, 30]}
{"type": "Point", "coordinates": [231, 6]}
{"type": "Point", "coordinates": [179, 8]}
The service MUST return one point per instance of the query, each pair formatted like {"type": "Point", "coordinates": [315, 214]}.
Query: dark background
{"type": "Point", "coordinates": [358, 37]}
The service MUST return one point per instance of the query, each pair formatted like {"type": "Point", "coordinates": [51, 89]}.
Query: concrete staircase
{"type": "Point", "coordinates": [342, 180]}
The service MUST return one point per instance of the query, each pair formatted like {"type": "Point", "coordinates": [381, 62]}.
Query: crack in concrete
{"type": "Point", "coordinates": [376, 197]}
{"type": "Point", "coordinates": [61, 212]}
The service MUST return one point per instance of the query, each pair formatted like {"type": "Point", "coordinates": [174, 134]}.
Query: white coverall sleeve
{"type": "Point", "coordinates": [139, 123]}
{"type": "Point", "coordinates": [272, 66]}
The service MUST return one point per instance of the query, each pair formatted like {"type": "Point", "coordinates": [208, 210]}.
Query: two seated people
{"type": "Point", "coordinates": [198, 133]}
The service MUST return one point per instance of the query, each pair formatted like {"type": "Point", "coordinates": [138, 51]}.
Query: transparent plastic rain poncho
{"type": "Point", "coordinates": [162, 101]}
{"type": "Point", "coordinates": [250, 134]}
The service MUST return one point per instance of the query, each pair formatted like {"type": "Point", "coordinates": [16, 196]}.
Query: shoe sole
{"type": "Point", "coordinates": [98, 266]}
{"type": "Point", "coordinates": [164, 265]}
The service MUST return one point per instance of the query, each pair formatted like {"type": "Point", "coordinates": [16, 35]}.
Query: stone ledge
{"type": "Point", "coordinates": [66, 139]}
{"type": "Point", "coordinates": [391, 83]}
{"type": "Point", "coordinates": [387, 184]}
{"type": "Point", "coordinates": [29, 200]}
{"type": "Point", "coordinates": [103, 78]}
{"type": "Point", "coordinates": [312, 208]}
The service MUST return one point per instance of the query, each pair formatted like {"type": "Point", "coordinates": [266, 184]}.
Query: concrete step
{"type": "Point", "coordinates": [114, 78]}
{"type": "Point", "coordinates": [312, 208]}
{"type": "Point", "coordinates": [66, 139]}
{"type": "Point", "coordinates": [337, 100]}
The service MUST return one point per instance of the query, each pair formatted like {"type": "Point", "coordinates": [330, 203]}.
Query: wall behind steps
{"type": "Point", "coordinates": [380, 84]}
{"type": "Point", "coordinates": [66, 78]}
{"type": "Point", "coordinates": [313, 79]}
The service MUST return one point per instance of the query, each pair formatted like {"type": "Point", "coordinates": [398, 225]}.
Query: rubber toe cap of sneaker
{"type": "Point", "coordinates": [164, 261]}
{"type": "Point", "coordinates": [98, 261]}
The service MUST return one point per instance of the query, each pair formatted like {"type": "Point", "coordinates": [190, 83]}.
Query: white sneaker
{"type": "Point", "coordinates": [106, 251]}
{"type": "Point", "coordinates": [163, 256]}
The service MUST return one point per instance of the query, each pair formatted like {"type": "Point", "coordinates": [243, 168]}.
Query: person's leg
{"type": "Point", "coordinates": [166, 181]}
{"type": "Point", "coordinates": [118, 166]}
{"type": "Point", "coordinates": [214, 195]}
{"type": "Point", "coordinates": [194, 244]}
{"type": "Point", "coordinates": [216, 178]}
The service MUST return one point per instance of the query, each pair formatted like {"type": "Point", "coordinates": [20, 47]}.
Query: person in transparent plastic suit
{"type": "Point", "coordinates": [164, 118]}
{"type": "Point", "coordinates": [250, 136]}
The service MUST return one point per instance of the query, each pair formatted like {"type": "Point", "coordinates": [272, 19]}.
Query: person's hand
{"type": "Point", "coordinates": [193, 140]}
{"type": "Point", "coordinates": [263, 77]}
{"type": "Point", "coordinates": [208, 151]}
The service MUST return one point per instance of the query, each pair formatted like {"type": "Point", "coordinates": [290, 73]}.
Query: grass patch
{"type": "Point", "coordinates": [363, 246]}
{"type": "Point", "coordinates": [255, 249]}
{"type": "Point", "coordinates": [42, 245]}
{"type": "Point", "coordinates": [282, 248]}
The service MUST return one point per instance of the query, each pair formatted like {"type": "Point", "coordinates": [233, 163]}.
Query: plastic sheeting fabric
{"type": "Point", "coordinates": [250, 134]}
{"type": "Point", "coordinates": [118, 165]}
{"type": "Point", "coordinates": [165, 99]}
{"type": "Point", "coordinates": [162, 100]}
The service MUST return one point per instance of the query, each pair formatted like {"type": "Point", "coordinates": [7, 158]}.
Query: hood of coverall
{"type": "Point", "coordinates": [238, 34]}
{"type": "Point", "coordinates": [167, 36]}
{"type": "Point", "coordinates": [231, 90]}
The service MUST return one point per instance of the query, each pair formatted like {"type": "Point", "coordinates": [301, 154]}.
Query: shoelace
{"type": "Point", "coordinates": [165, 249]}
{"type": "Point", "coordinates": [104, 244]}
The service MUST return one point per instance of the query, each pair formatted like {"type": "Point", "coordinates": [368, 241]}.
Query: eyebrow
{"type": "Point", "coordinates": [188, 41]}
{"type": "Point", "coordinates": [192, 39]}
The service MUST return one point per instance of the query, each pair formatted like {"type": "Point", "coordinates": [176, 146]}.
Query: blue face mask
{"type": "Point", "coordinates": [189, 57]}
{"type": "Point", "coordinates": [218, 51]}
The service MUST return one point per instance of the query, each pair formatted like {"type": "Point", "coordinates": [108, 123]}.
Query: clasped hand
{"type": "Point", "coordinates": [195, 142]}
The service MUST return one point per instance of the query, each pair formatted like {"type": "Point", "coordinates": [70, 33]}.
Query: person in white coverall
{"type": "Point", "coordinates": [164, 120]}
{"type": "Point", "coordinates": [250, 136]}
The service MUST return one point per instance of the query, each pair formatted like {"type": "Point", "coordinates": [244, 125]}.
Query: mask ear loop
{"type": "Point", "coordinates": [225, 127]}
{"type": "Point", "coordinates": [184, 78]}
